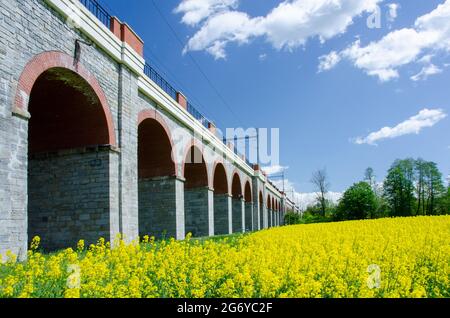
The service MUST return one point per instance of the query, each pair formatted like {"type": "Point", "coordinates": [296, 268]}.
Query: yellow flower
{"type": "Point", "coordinates": [406, 257]}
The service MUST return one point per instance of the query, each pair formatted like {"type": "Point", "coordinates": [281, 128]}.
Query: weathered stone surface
{"type": "Point", "coordinates": [86, 195]}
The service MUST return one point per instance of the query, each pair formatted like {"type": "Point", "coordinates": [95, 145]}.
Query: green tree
{"type": "Point", "coordinates": [358, 202]}
{"type": "Point", "coordinates": [434, 188]}
{"type": "Point", "coordinates": [399, 187]}
{"type": "Point", "coordinates": [370, 178]}
{"type": "Point", "coordinates": [292, 218]}
{"type": "Point", "coordinates": [443, 203]}
{"type": "Point", "coordinates": [320, 180]}
{"type": "Point", "coordinates": [429, 187]}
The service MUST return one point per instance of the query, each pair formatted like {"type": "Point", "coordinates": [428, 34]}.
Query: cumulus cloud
{"type": "Point", "coordinates": [274, 169]}
{"type": "Point", "coordinates": [195, 11]}
{"type": "Point", "coordinates": [304, 199]}
{"type": "Point", "coordinates": [327, 62]}
{"type": "Point", "coordinates": [383, 58]}
{"type": "Point", "coordinates": [288, 26]}
{"type": "Point", "coordinates": [262, 57]}
{"type": "Point", "coordinates": [424, 119]}
{"type": "Point", "coordinates": [426, 72]}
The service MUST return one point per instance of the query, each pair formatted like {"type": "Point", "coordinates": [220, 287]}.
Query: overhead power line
{"type": "Point", "coordinates": [196, 64]}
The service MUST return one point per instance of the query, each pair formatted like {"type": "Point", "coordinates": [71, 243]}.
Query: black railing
{"type": "Point", "coordinates": [197, 115]}
{"type": "Point", "coordinates": [97, 10]}
{"type": "Point", "coordinates": [103, 16]}
{"type": "Point", "coordinates": [160, 81]}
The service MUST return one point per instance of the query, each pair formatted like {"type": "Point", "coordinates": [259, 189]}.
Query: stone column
{"type": "Point", "coordinates": [161, 207]}
{"type": "Point", "coordinates": [237, 215]}
{"type": "Point", "coordinates": [249, 217]}
{"type": "Point", "coordinates": [222, 211]}
{"type": "Point", "coordinates": [210, 212]}
{"type": "Point", "coordinates": [197, 211]}
{"type": "Point", "coordinates": [243, 215]}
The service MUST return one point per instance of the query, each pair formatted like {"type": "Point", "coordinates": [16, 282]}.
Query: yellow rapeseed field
{"type": "Point", "coordinates": [405, 257]}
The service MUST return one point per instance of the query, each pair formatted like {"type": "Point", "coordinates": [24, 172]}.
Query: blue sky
{"type": "Point", "coordinates": [264, 58]}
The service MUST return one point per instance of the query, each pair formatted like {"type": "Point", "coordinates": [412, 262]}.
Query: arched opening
{"type": "Point", "coordinates": [261, 211]}
{"type": "Point", "coordinates": [238, 204]}
{"type": "Point", "coordinates": [274, 212]}
{"type": "Point", "coordinates": [196, 194]}
{"type": "Point", "coordinates": [68, 161]}
{"type": "Point", "coordinates": [248, 207]}
{"type": "Point", "coordinates": [278, 213]}
{"type": "Point", "coordinates": [221, 201]}
{"type": "Point", "coordinates": [269, 211]}
{"type": "Point", "coordinates": [157, 180]}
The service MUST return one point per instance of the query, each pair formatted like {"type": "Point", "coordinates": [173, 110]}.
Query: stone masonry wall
{"type": "Point", "coordinates": [221, 212]}
{"type": "Point", "coordinates": [69, 198]}
{"type": "Point", "coordinates": [237, 216]}
{"type": "Point", "coordinates": [29, 28]}
{"type": "Point", "coordinates": [248, 217]}
{"type": "Point", "coordinates": [196, 211]}
{"type": "Point", "coordinates": [157, 207]}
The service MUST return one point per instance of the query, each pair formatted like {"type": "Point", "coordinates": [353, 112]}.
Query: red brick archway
{"type": "Point", "coordinates": [195, 170]}
{"type": "Point", "coordinates": [220, 179]}
{"type": "Point", "coordinates": [248, 192]}
{"type": "Point", "coordinates": [50, 60]}
{"type": "Point", "coordinates": [236, 186]}
{"type": "Point", "coordinates": [186, 158]}
{"type": "Point", "coordinates": [155, 146]}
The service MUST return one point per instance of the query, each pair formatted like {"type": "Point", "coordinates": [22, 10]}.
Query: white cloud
{"type": "Point", "coordinates": [414, 125]}
{"type": "Point", "coordinates": [287, 26]}
{"type": "Point", "coordinates": [328, 61]}
{"type": "Point", "coordinates": [195, 11]}
{"type": "Point", "coordinates": [274, 169]}
{"type": "Point", "coordinates": [426, 71]}
{"type": "Point", "coordinates": [304, 200]}
{"type": "Point", "coordinates": [426, 59]}
{"type": "Point", "coordinates": [262, 57]}
{"type": "Point", "coordinates": [431, 33]}
{"type": "Point", "coordinates": [393, 11]}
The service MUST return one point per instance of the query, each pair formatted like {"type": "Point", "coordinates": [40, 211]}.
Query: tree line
{"type": "Point", "coordinates": [412, 187]}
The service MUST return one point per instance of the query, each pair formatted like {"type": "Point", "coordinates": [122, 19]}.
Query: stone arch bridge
{"type": "Point", "coordinates": [93, 142]}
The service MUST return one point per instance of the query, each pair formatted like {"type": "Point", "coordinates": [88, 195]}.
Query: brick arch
{"type": "Point", "coordinates": [200, 170]}
{"type": "Point", "coordinates": [248, 192]}
{"type": "Point", "coordinates": [220, 180]}
{"type": "Point", "coordinates": [54, 59]}
{"type": "Point", "coordinates": [236, 185]}
{"type": "Point", "coordinates": [187, 148]}
{"type": "Point", "coordinates": [169, 167]}
{"type": "Point", "coordinates": [269, 202]}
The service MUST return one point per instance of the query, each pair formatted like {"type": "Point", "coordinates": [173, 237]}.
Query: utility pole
{"type": "Point", "coordinates": [257, 146]}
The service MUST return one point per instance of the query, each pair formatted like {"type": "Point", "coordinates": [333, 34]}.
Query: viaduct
{"type": "Point", "coordinates": [94, 142]}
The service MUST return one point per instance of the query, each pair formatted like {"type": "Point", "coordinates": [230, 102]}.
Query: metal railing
{"type": "Point", "coordinates": [96, 9]}
{"type": "Point", "coordinates": [197, 115]}
{"type": "Point", "coordinates": [160, 81]}
{"type": "Point", "coordinates": [104, 17]}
